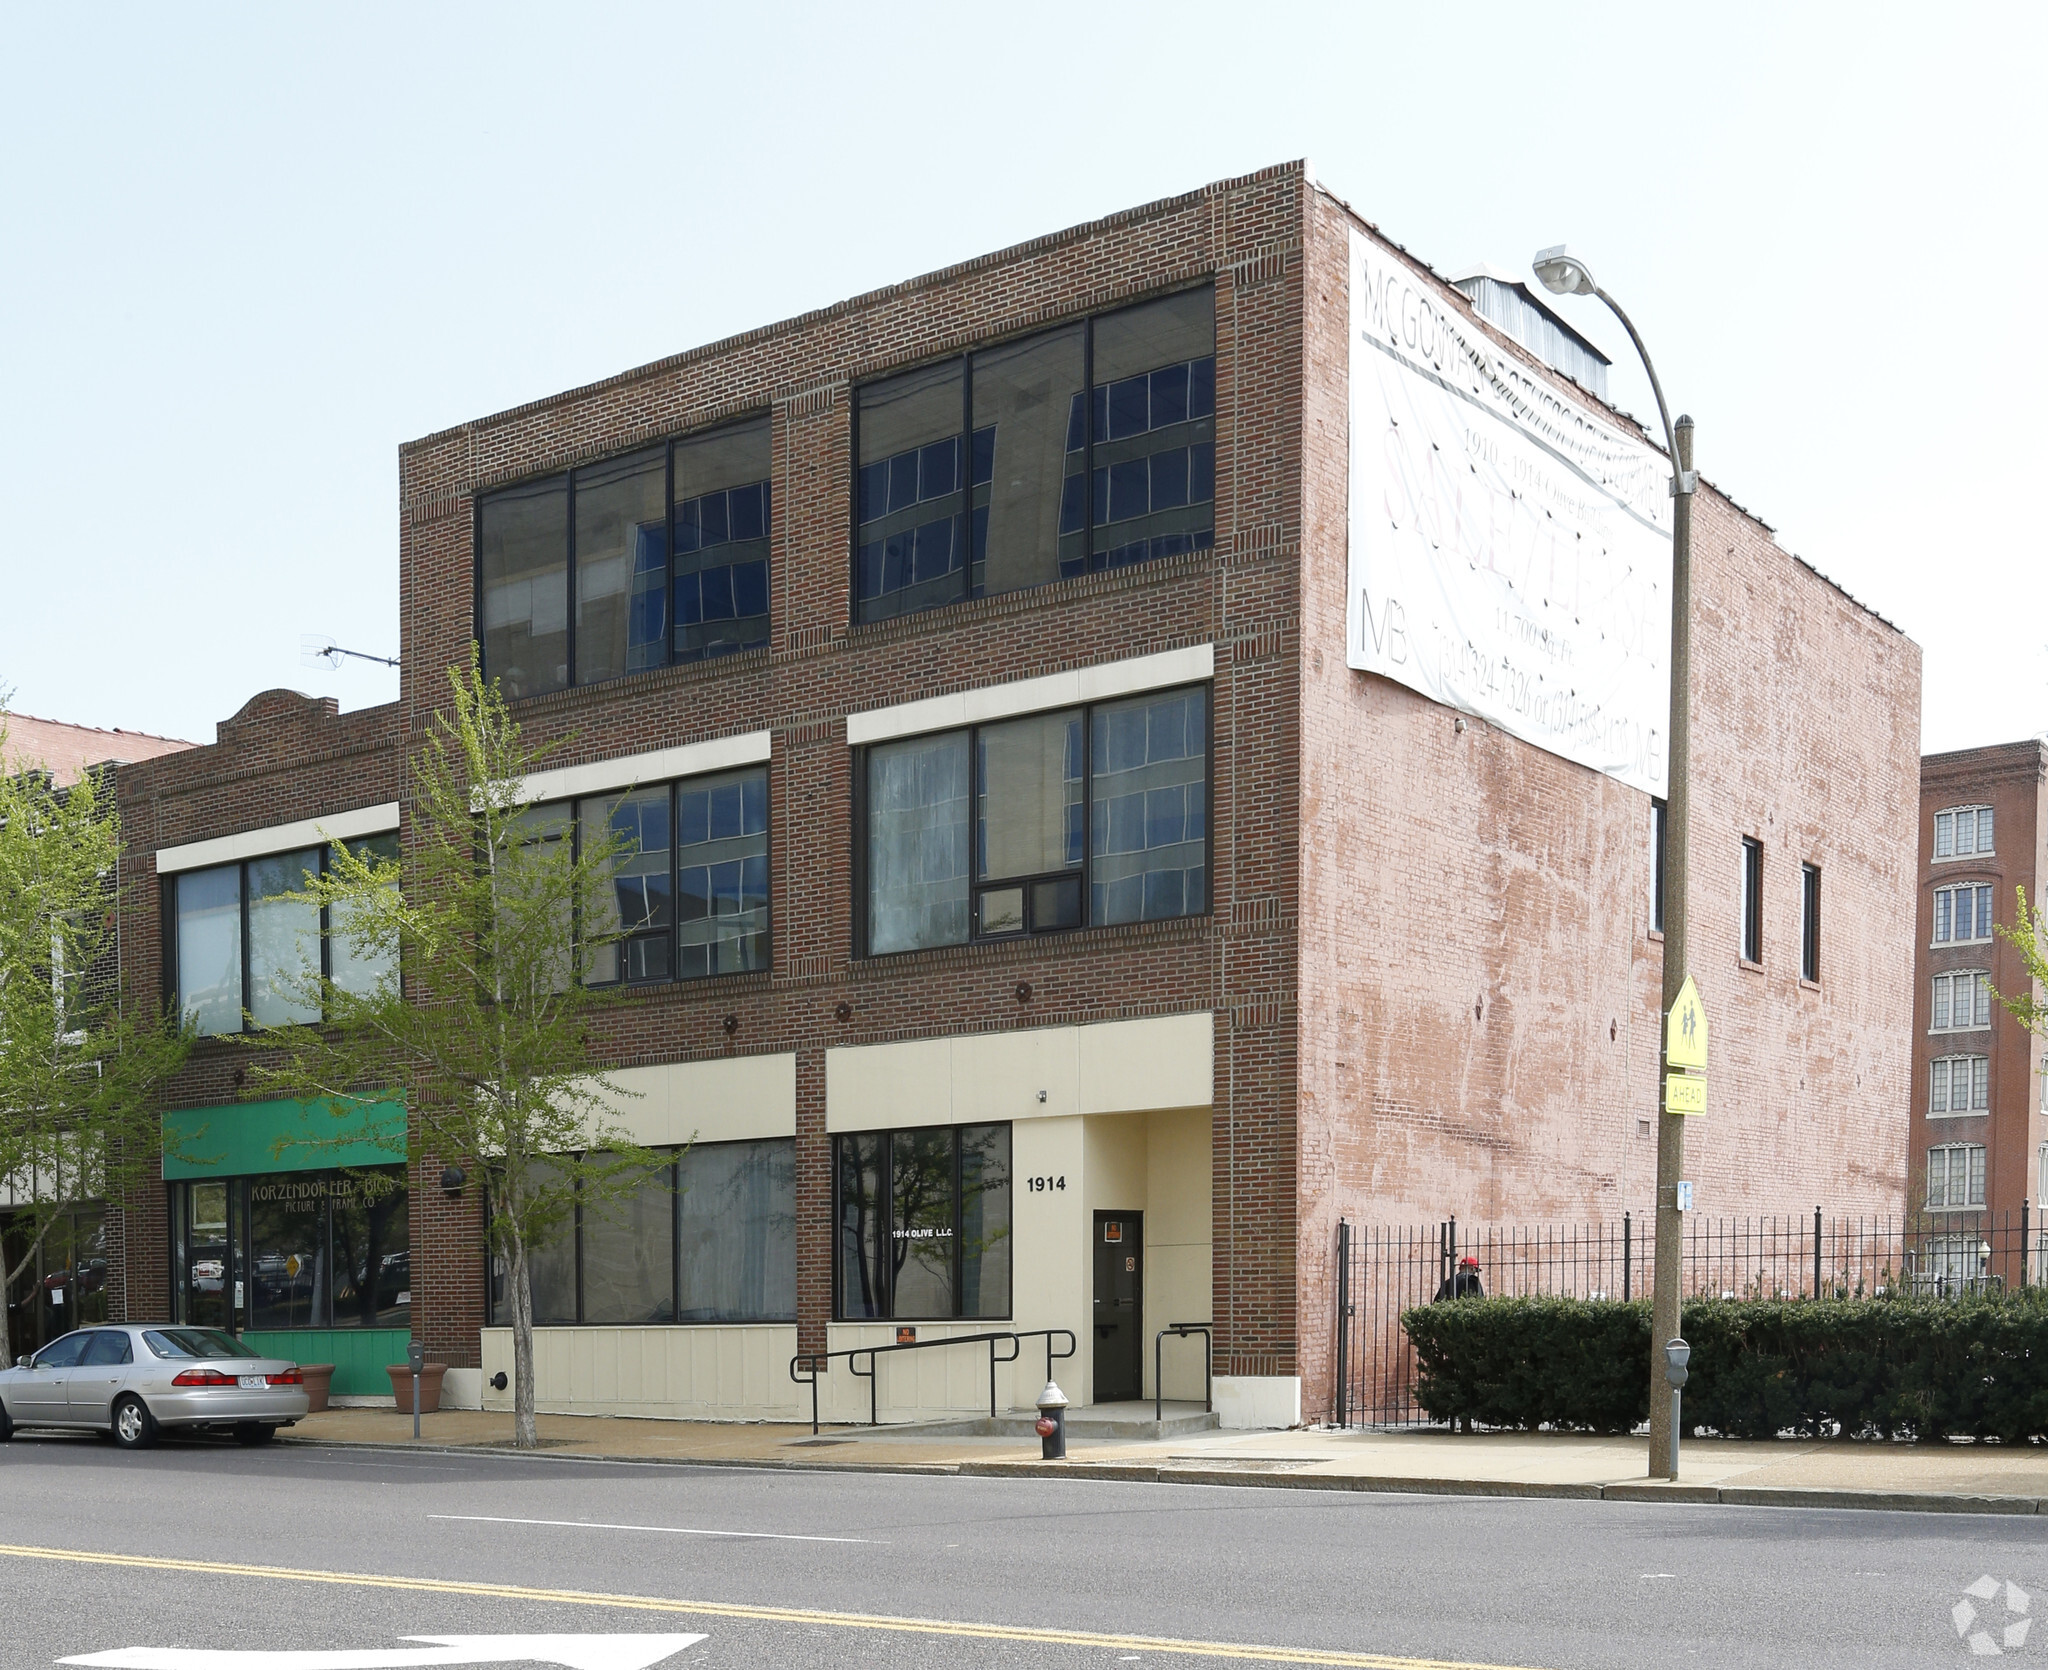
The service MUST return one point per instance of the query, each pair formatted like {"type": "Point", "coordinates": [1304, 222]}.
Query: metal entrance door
{"type": "Point", "coordinates": [1119, 1291]}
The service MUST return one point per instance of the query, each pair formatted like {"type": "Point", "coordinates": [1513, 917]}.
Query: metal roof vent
{"type": "Point", "coordinates": [1508, 303]}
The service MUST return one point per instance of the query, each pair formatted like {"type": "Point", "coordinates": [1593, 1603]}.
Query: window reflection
{"type": "Point", "coordinates": [722, 521]}
{"type": "Point", "coordinates": [523, 562]}
{"type": "Point", "coordinates": [621, 565]}
{"type": "Point", "coordinates": [923, 1223]}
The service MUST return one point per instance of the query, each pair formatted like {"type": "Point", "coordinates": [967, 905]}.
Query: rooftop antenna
{"type": "Point", "coordinates": [318, 651]}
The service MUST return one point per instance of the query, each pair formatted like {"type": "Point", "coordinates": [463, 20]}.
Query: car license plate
{"type": "Point", "coordinates": [253, 1382]}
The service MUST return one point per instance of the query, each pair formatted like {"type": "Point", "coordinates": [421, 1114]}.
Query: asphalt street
{"type": "Point", "coordinates": [307, 1550]}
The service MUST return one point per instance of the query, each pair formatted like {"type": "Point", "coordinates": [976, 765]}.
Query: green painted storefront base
{"type": "Point", "coordinates": [359, 1355]}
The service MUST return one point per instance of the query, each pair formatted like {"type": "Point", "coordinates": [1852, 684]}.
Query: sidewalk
{"type": "Point", "coordinates": [1954, 1478]}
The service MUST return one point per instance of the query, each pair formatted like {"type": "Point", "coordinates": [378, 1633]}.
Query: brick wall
{"type": "Point", "coordinates": [1480, 989]}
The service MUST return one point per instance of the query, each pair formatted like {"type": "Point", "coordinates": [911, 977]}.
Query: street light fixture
{"type": "Point", "coordinates": [1562, 273]}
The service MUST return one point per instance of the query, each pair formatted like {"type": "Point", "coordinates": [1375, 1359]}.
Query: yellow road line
{"type": "Point", "coordinates": [764, 1614]}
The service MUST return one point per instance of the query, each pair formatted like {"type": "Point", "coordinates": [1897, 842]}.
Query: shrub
{"type": "Point", "coordinates": [1904, 1367]}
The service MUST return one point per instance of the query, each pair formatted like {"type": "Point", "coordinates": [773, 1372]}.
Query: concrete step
{"type": "Point", "coordinates": [1087, 1421]}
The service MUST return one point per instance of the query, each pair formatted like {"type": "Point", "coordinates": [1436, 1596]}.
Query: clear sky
{"type": "Point", "coordinates": [246, 252]}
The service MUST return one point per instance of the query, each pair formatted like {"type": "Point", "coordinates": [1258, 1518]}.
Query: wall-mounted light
{"type": "Point", "coordinates": [452, 1180]}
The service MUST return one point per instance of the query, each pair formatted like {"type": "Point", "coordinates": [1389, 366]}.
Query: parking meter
{"type": "Point", "coordinates": [1676, 1355]}
{"type": "Point", "coordinates": [416, 1359]}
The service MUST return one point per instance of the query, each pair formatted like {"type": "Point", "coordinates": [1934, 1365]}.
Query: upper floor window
{"type": "Point", "coordinates": [1962, 1001]}
{"type": "Point", "coordinates": [1962, 914]}
{"type": "Point", "coordinates": [689, 889]}
{"type": "Point", "coordinates": [1657, 815]}
{"type": "Point", "coordinates": [1087, 447]}
{"type": "Point", "coordinates": [242, 955]}
{"type": "Point", "coordinates": [1809, 922]}
{"type": "Point", "coordinates": [1962, 832]}
{"type": "Point", "coordinates": [1089, 815]}
{"type": "Point", "coordinates": [1960, 1084]}
{"type": "Point", "coordinates": [1752, 900]}
{"type": "Point", "coordinates": [664, 551]}
{"type": "Point", "coordinates": [1955, 1176]}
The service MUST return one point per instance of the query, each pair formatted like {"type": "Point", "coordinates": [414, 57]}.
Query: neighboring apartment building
{"type": "Point", "coordinates": [1040, 921]}
{"type": "Point", "coordinates": [1980, 1100]}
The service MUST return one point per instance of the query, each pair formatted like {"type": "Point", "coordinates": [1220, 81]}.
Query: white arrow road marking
{"type": "Point", "coordinates": [667, 1530]}
{"type": "Point", "coordinates": [575, 1652]}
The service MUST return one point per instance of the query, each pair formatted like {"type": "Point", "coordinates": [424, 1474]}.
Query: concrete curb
{"type": "Point", "coordinates": [1634, 1491]}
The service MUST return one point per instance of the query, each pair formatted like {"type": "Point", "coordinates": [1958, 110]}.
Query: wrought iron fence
{"type": "Point", "coordinates": [1383, 1270]}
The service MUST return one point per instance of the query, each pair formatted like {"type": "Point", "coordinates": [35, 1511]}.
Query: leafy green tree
{"type": "Point", "coordinates": [478, 1020]}
{"type": "Point", "coordinates": [81, 1057]}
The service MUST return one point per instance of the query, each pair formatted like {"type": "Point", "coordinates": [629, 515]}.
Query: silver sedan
{"type": "Point", "coordinates": [132, 1379]}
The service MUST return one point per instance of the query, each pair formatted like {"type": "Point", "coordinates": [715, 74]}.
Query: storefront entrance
{"type": "Point", "coordinates": [64, 1286]}
{"type": "Point", "coordinates": [1119, 1318]}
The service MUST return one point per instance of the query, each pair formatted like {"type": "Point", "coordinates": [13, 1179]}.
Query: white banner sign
{"type": "Point", "coordinates": [1510, 552]}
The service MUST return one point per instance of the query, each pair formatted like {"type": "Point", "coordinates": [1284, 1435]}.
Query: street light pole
{"type": "Point", "coordinates": [1562, 273]}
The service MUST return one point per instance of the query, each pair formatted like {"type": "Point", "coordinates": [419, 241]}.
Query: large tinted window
{"type": "Point", "coordinates": [1082, 816]}
{"type": "Point", "coordinates": [722, 514]}
{"type": "Point", "coordinates": [1090, 446]}
{"type": "Point", "coordinates": [665, 552]}
{"type": "Point", "coordinates": [306, 1249]}
{"type": "Point", "coordinates": [917, 854]}
{"type": "Point", "coordinates": [736, 1227]}
{"type": "Point", "coordinates": [621, 510]}
{"type": "Point", "coordinates": [282, 942]}
{"type": "Point", "coordinates": [923, 1221]}
{"type": "Point", "coordinates": [710, 1237]}
{"type": "Point", "coordinates": [689, 884]}
{"type": "Point", "coordinates": [523, 577]}
{"type": "Point", "coordinates": [209, 929]}
{"type": "Point", "coordinates": [910, 506]}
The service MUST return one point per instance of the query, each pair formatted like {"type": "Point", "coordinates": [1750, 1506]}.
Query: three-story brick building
{"type": "Point", "coordinates": [1037, 919]}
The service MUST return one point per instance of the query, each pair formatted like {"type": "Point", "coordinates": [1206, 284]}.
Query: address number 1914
{"type": "Point", "coordinates": [1039, 1185]}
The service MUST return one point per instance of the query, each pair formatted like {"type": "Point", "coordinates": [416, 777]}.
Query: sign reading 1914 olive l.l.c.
{"type": "Point", "coordinates": [1510, 551]}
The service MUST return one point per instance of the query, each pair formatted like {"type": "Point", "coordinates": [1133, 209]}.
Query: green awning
{"type": "Point", "coordinates": [247, 1138]}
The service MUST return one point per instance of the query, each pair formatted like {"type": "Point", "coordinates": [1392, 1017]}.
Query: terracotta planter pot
{"type": "Point", "coordinates": [319, 1379]}
{"type": "Point", "coordinates": [430, 1386]}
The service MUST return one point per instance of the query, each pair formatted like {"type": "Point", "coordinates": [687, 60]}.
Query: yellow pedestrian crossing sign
{"type": "Point", "coordinates": [1685, 1029]}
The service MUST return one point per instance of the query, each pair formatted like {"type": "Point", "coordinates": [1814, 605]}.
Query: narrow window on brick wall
{"type": "Point", "coordinates": [1084, 816]}
{"type": "Point", "coordinates": [1088, 447]}
{"type": "Point", "coordinates": [1962, 914]}
{"type": "Point", "coordinates": [1962, 832]}
{"type": "Point", "coordinates": [922, 1224]}
{"type": "Point", "coordinates": [711, 1237]}
{"type": "Point", "coordinates": [1752, 900]}
{"type": "Point", "coordinates": [1962, 1001]}
{"type": "Point", "coordinates": [1657, 817]}
{"type": "Point", "coordinates": [1960, 1084]}
{"type": "Point", "coordinates": [244, 955]}
{"type": "Point", "coordinates": [688, 895]}
{"type": "Point", "coordinates": [664, 550]}
{"type": "Point", "coordinates": [1809, 922]}
{"type": "Point", "coordinates": [1955, 1176]}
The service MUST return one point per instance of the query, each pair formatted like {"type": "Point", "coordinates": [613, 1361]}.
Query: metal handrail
{"type": "Point", "coordinates": [816, 1362]}
{"type": "Point", "coordinates": [1181, 1330]}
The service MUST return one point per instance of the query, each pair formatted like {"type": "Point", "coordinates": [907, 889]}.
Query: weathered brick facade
{"type": "Point", "coordinates": [1427, 957]}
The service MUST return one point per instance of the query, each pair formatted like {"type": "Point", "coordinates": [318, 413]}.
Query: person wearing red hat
{"type": "Point", "coordinates": [1463, 1283]}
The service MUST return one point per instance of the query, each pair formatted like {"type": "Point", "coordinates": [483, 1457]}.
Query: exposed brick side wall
{"type": "Point", "coordinates": [2010, 778]}
{"type": "Point", "coordinates": [1479, 986]}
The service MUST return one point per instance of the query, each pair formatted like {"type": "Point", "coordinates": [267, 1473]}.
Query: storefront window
{"type": "Point", "coordinates": [64, 1285]}
{"type": "Point", "coordinates": [711, 1237]}
{"type": "Point", "coordinates": [301, 1249]}
{"type": "Point", "coordinates": [924, 1223]}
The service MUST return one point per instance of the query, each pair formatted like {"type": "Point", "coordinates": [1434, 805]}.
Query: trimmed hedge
{"type": "Point", "coordinates": [1892, 1367]}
